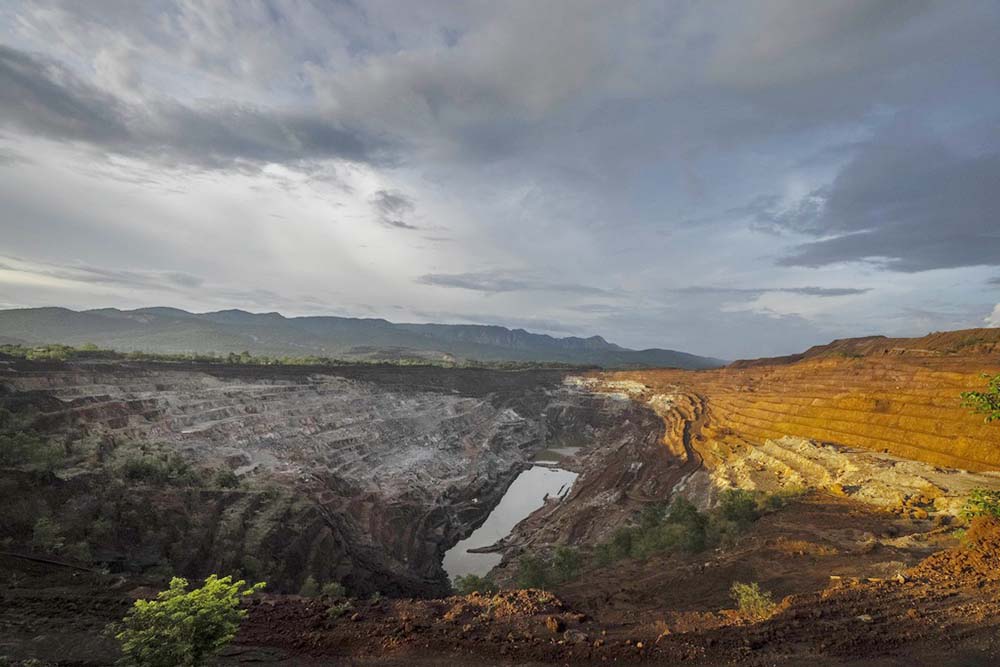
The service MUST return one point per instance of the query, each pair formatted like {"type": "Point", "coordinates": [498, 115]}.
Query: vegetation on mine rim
{"type": "Point", "coordinates": [89, 352]}
{"type": "Point", "coordinates": [659, 528]}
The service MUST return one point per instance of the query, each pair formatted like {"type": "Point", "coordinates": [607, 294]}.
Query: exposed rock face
{"type": "Point", "coordinates": [904, 402]}
{"type": "Point", "coordinates": [871, 477]}
{"type": "Point", "coordinates": [363, 475]}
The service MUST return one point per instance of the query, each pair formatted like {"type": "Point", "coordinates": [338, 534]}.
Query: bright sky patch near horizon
{"type": "Point", "coordinates": [729, 179]}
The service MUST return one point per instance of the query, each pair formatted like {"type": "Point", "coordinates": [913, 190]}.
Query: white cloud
{"type": "Point", "coordinates": [993, 319]}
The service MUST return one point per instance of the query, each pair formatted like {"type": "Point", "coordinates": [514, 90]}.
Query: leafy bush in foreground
{"type": "Point", "coordinates": [183, 628]}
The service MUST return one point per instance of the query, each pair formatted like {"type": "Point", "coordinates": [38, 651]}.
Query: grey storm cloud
{"type": "Point", "coordinates": [46, 99]}
{"type": "Point", "coordinates": [908, 207]}
{"type": "Point", "coordinates": [392, 209]}
{"type": "Point", "coordinates": [502, 281]}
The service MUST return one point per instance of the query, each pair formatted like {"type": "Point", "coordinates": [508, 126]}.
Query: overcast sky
{"type": "Point", "coordinates": [726, 178]}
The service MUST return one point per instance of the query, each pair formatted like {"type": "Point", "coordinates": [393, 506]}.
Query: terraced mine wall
{"type": "Point", "coordinates": [362, 475]}
{"type": "Point", "coordinates": [906, 404]}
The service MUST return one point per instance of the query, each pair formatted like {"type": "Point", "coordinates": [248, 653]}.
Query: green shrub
{"type": "Point", "coordinates": [752, 601]}
{"type": "Point", "coordinates": [621, 543]}
{"type": "Point", "coordinates": [565, 564]}
{"type": "Point", "coordinates": [183, 628]}
{"type": "Point", "coordinates": [227, 479]}
{"type": "Point", "coordinates": [738, 506]}
{"type": "Point", "coordinates": [471, 583]}
{"type": "Point", "coordinates": [682, 527]}
{"type": "Point", "coordinates": [333, 589]}
{"type": "Point", "coordinates": [27, 447]}
{"type": "Point", "coordinates": [159, 470]}
{"type": "Point", "coordinates": [603, 555]}
{"type": "Point", "coordinates": [532, 573]}
{"type": "Point", "coordinates": [652, 515]}
{"type": "Point", "coordinates": [47, 535]}
{"type": "Point", "coordinates": [102, 530]}
{"type": "Point", "coordinates": [982, 502]}
{"type": "Point", "coordinates": [79, 551]}
{"type": "Point", "coordinates": [310, 588]}
{"type": "Point", "coordinates": [986, 402]}
{"type": "Point", "coordinates": [690, 536]}
{"type": "Point", "coordinates": [782, 497]}
{"type": "Point", "coordinates": [338, 609]}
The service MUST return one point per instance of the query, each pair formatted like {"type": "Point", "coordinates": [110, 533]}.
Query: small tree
{"type": "Point", "coordinates": [752, 601]}
{"type": "Point", "coordinates": [985, 402]}
{"type": "Point", "coordinates": [333, 589]}
{"type": "Point", "coordinates": [182, 628]}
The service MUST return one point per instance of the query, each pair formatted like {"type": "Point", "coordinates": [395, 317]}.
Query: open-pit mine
{"type": "Point", "coordinates": [857, 460]}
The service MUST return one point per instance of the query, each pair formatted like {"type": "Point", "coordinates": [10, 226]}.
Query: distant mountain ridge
{"type": "Point", "coordinates": [171, 330]}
